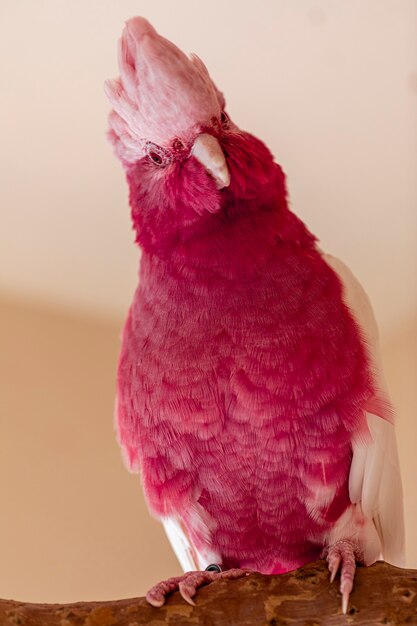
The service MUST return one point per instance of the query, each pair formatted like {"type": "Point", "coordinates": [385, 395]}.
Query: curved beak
{"type": "Point", "coordinates": [208, 152]}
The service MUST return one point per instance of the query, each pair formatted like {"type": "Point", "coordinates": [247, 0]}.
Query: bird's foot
{"type": "Point", "coordinates": [343, 555]}
{"type": "Point", "coordinates": [188, 584]}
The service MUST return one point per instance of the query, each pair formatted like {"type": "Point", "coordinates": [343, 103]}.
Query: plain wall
{"type": "Point", "coordinates": [73, 521]}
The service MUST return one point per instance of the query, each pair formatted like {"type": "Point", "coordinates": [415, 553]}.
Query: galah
{"type": "Point", "coordinates": [250, 393]}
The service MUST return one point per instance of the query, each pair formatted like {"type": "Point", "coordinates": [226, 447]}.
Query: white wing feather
{"type": "Point", "coordinates": [375, 479]}
{"type": "Point", "coordinates": [188, 555]}
{"type": "Point", "coordinates": [180, 544]}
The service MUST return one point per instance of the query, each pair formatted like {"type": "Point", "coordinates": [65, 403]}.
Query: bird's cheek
{"type": "Point", "coordinates": [199, 189]}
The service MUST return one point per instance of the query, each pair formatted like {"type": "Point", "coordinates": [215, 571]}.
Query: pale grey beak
{"type": "Point", "coordinates": [207, 150]}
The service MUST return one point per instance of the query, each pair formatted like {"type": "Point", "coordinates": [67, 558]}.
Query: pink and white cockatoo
{"type": "Point", "coordinates": [250, 394]}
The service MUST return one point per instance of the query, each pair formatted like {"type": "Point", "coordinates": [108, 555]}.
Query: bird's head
{"type": "Point", "coordinates": [186, 161]}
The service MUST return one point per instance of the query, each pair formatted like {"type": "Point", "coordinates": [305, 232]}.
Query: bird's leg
{"type": "Point", "coordinates": [343, 554]}
{"type": "Point", "coordinates": [188, 583]}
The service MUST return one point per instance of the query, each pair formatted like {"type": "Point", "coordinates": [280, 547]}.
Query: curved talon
{"type": "Point", "coordinates": [188, 584]}
{"type": "Point", "coordinates": [343, 555]}
{"type": "Point", "coordinates": [345, 597]}
{"type": "Point", "coordinates": [187, 592]}
{"type": "Point", "coordinates": [156, 595]}
{"type": "Point", "coordinates": [334, 563]}
{"type": "Point", "coordinates": [188, 587]}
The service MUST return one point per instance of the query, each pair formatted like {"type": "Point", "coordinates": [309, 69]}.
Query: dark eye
{"type": "Point", "coordinates": [157, 154]}
{"type": "Point", "coordinates": [224, 118]}
{"type": "Point", "coordinates": [156, 158]}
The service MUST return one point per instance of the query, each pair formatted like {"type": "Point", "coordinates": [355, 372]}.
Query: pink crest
{"type": "Point", "coordinates": [161, 94]}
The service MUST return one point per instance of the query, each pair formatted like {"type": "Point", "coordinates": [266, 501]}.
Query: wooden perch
{"type": "Point", "coordinates": [382, 594]}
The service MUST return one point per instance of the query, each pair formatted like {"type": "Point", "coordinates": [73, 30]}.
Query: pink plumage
{"type": "Point", "coordinates": [161, 93]}
{"type": "Point", "coordinates": [246, 380]}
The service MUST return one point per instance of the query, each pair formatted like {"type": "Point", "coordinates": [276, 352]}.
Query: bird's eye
{"type": "Point", "coordinates": [224, 119]}
{"type": "Point", "coordinates": [156, 158]}
{"type": "Point", "coordinates": [158, 155]}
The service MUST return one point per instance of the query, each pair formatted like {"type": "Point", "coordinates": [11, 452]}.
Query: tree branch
{"type": "Point", "coordinates": [382, 594]}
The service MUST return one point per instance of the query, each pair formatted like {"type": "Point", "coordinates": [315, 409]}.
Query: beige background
{"type": "Point", "coordinates": [331, 86]}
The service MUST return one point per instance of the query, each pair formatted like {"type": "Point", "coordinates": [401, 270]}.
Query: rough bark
{"type": "Point", "coordinates": [383, 594]}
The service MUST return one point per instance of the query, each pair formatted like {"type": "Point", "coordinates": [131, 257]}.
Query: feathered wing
{"type": "Point", "coordinates": [181, 544]}
{"type": "Point", "coordinates": [188, 555]}
{"type": "Point", "coordinates": [375, 479]}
